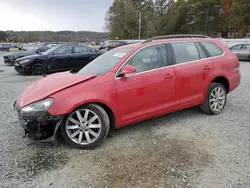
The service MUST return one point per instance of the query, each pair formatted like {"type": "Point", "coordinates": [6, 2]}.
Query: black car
{"type": "Point", "coordinates": [113, 44]}
{"type": "Point", "coordinates": [60, 58]}
{"type": "Point", "coordinates": [10, 58]}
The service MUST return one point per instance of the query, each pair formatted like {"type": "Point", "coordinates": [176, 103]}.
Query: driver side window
{"type": "Point", "coordinates": [63, 51]}
{"type": "Point", "coordinates": [149, 58]}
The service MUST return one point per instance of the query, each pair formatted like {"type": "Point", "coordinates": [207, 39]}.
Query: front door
{"type": "Point", "coordinates": [192, 71]}
{"type": "Point", "coordinates": [61, 59]}
{"type": "Point", "coordinates": [151, 90]}
{"type": "Point", "coordinates": [244, 52]}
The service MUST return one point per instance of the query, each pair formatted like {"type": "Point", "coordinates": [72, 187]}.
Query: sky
{"type": "Point", "coordinates": [53, 15]}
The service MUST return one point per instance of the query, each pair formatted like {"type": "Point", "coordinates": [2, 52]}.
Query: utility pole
{"type": "Point", "coordinates": [139, 21]}
{"type": "Point", "coordinates": [207, 18]}
{"type": "Point", "coordinates": [139, 35]}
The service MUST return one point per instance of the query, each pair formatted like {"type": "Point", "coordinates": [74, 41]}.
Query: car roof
{"type": "Point", "coordinates": [134, 45]}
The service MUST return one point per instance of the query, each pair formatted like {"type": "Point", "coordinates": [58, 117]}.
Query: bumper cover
{"type": "Point", "coordinates": [9, 61]}
{"type": "Point", "coordinates": [39, 129]}
{"type": "Point", "coordinates": [21, 69]}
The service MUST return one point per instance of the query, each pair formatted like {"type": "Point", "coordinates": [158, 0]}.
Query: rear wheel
{"type": "Point", "coordinates": [86, 127]}
{"type": "Point", "coordinates": [38, 69]}
{"type": "Point", "coordinates": [215, 100]}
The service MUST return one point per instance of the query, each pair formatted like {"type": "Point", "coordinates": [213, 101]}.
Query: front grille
{"type": "Point", "coordinates": [6, 57]}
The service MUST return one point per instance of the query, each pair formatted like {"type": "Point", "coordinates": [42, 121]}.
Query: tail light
{"type": "Point", "coordinates": [237, 67]}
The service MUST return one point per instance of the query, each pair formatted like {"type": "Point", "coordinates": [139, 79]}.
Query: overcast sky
{"type": "Point", "coordinates": [55, 15]}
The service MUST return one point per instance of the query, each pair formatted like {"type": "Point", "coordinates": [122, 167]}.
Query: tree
{"type": "Point", "coordinates": [240, 16]}
{"type": "Point", "coordinates": [3, 36]}
{"type": "Point", "coordinates": [161, 17]}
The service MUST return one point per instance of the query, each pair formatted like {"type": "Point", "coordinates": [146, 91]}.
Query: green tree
{"type": "Point", "coordinates": [3, 36]}
{"type": "Point", "coordinates": [240, 16]}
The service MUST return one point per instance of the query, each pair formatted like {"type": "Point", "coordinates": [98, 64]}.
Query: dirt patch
{"type": "Point", "coordinates": [165, 163]}
{"type": "Point", "coordinates": [36, 164]}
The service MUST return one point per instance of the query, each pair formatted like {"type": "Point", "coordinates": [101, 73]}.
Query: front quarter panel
{"type": "Point", "coordinates": [97, 90]}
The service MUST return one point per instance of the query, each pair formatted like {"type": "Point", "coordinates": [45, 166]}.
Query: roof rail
{"type": "Point", "coordinates": [177, 36]}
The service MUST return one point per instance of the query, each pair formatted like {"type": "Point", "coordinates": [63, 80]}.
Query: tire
{"type": "Point", "coordinates": [209, 106]}
{"type": "Point", "coordinates": [79, 134]}
{"type": "Point", "coordinates": [249, 58]}
{"type": "Point", "coordinates": [38, 69]}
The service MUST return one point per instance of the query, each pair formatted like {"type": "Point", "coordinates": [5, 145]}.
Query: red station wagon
{"type": "Point", "coordinates": [129, 84]}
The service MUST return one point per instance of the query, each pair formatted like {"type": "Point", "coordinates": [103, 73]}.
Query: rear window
{"type": "Point", "coordinates": [212, 49]}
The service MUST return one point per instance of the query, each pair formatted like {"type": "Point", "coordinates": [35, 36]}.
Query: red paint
{"type": "Point", "coordinates": [140, 96]}
{"type": "Point", "coordinates": [128, 69]}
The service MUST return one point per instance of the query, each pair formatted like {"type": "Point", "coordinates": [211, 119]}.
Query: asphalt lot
{"type": "Point", "coordinates": [182, 149]}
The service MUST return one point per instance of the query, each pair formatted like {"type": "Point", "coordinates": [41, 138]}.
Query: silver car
{"type": "Point", "coordinates": [242, 51]}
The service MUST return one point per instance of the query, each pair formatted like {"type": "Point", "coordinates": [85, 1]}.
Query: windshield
{"type": "Point", "coordinates": [32, 49]}
{"type": "Point", "coordinates": [49, 51]}
{"type": "Point", "coordinates": [105, 62]}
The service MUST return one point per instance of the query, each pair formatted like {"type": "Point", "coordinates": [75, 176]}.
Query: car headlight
{"type": "Point", "coordinates": [38, 108]}
{"type": "Point", "coordinates": [24, 61]}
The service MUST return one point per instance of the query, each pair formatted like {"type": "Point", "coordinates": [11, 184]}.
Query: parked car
{"type": "Point", "coordinates": [59, 58]}
{"type": "Point", "coordinates": [129, 84]}
{"type": "Point", "coordinates": [242, 51]}
{"type": "Point", "coordinates": [10, 58]}
{"type": "Point", "coordinates": [5, 47]}
{"type": "Point", "coordinates": [113, 44]}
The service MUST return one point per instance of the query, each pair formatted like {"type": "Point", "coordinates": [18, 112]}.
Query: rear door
{"type": "Point", "coordinates": [151, 90]}
{"type": "Point", "coordinates": [192, 71]}
{"type": "Point", "coordinates": [61, 59]}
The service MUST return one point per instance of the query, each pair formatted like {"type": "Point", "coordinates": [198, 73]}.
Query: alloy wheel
{"type": "Point", "coordinates": [83, 126]}
{"type": "Point", "coordinates": [217, 99]}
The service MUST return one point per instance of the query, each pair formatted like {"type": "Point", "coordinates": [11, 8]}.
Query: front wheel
{"type": "Point", "coordinates": [215, 100]}
{"type": "Point", "coordinates": [38, 69]}
{"type": "Point", "coordinates": [86, 127]}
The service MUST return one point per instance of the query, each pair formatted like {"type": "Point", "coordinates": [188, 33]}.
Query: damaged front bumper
{"type": "Point", "coordinates": [39, 128]}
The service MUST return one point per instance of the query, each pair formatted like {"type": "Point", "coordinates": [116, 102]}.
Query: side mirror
{"type": "Point", "coordinates": [127, 70]}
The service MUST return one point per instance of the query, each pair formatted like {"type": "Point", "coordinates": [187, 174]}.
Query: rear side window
{"type": "Point", "coordinates": [246, 47]}
{"type": "Point", "coordinates": [212, 49]}
{"type": "Point", "coordinates": [236, 47]}
{"type": "Point", "coordinates": [201, 52]}
{"type": "Point", "coordinates": [185, 52]}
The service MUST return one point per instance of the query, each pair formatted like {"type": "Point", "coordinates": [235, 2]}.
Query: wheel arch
{"type": "Point", "coordinates": [222, 80]}
{"type": "Point", "coordinates": [41, 61]}
{"type": "Point", "coordinates": [108, 110]}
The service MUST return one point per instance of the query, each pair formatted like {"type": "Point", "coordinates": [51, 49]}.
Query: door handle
{"type": "Point", "coordinates": [206, 68]}
{"type": "Point", "coordinates": [167, 76]}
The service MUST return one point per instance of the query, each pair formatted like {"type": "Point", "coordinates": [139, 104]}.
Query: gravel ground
{"type": "Point", "coordinates": [182, 149]}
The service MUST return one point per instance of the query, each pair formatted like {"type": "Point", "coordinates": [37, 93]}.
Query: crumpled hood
{"type": "Point", "coordinates": [48, 86]}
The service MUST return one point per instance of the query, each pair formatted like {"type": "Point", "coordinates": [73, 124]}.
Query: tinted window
{"type": "Point", "coordinates": [43, 49]}
{"type": "Point", "coordinates": [80, 49]}
{"type": "Point", "coordinates": [149, 58]}
{"type": "Point", "coordinates": [185, 52]}
{"type": "Point", "coordinates": [212, 49]}
{"type": "Point", "coordinates": [246, 46]}
{"type": "Point", "coordinates": [105, 62]}
{"type": "Point", "coordinates": [201, 52]}
{"type": "Point", "coordinates": [63, 51]}
{"type": "Point", "coordinates": [237, 47]}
